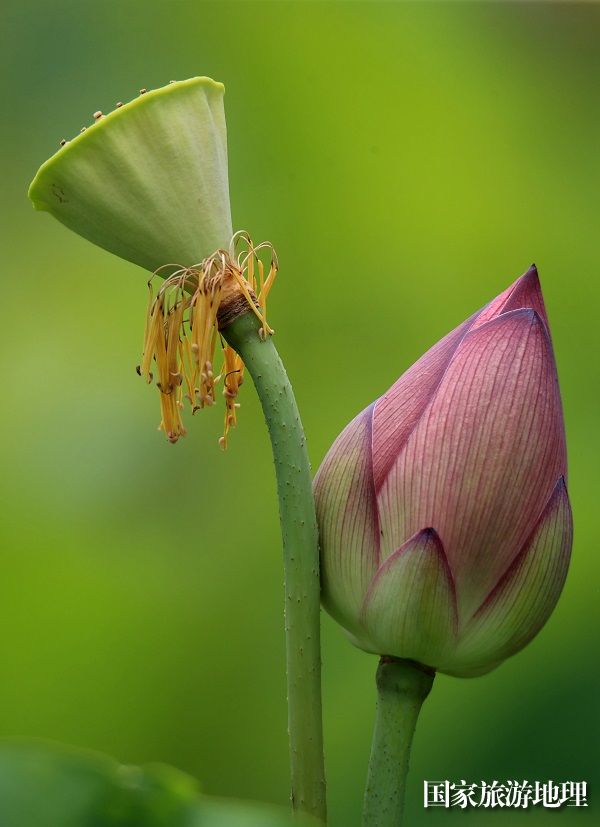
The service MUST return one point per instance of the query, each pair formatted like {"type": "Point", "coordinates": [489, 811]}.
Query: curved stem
{"type": "Point", "coordinates": [402, 686]}
{"type": "Point", "coordinates": [301, 562]}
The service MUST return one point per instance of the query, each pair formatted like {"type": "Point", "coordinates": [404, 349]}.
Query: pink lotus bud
{"type": "Point", "coordinates": [445, 523]}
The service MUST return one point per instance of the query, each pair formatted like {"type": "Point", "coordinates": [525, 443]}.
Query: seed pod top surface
{"type": "Point", "coordinates": [148, 181]}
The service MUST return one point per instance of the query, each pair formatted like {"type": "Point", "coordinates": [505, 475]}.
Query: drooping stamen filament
{"type": "Point", "coordinates": [182, 330]}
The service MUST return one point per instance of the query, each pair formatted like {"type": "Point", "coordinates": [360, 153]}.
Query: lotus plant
{"type": "Point", "coordinates": [444, 518]}
{"type": "Point", "coordinates": [445, 524]}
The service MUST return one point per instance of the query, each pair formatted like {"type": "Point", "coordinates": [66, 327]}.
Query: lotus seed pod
{"type": "Point", "coordinates": [444, 517]}
{"type": "Point", "coordinates": [147, 181]}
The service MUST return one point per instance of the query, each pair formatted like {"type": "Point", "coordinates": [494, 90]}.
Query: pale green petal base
{"type": "Point", "coordinates": [148, 181]}
{"type": "Point", "coordinates": [524, 600]}
{"type": "Point", "coordinates": [409, 610]}
{"type": "Point", "coordinates": [348, 526]}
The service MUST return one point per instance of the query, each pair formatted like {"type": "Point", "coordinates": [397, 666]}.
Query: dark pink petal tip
{"type": "Point", "coordinates": [525, 292]}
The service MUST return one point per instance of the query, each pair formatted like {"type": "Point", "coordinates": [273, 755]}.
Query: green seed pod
{"type": "Point", "coordinates": [148, 181]}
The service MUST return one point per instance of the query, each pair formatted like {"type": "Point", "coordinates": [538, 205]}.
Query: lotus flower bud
{"type": "Point", "coordinates": [445, 523]}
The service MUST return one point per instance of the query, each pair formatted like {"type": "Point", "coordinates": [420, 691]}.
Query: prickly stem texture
{"type": "Point", "coordinates": [402, 686]}
{"type": "Point", "coordinates": [301, 562]}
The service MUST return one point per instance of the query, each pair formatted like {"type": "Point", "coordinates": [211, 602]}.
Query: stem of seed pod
{"type": "Point", "coordinates": [301, 561]}
{"type": "Point", "coordinates": [402, 686]}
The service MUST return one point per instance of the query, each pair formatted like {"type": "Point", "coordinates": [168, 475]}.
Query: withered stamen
{"type": "Point", "coordinates": [182, 328]}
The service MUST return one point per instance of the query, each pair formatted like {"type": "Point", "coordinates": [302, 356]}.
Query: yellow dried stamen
{"type": "Point", "coordinates": [203, 320]}
{"type": "Point", "coordinates": [233, 377]}
{"type": "Point", "coordinates": [246, 260]}
{"type": "Point", "coordinates": [182, 328]}
{"type": "Point", "coordinates": [166, 355]}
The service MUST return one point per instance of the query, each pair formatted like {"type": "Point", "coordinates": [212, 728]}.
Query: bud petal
{"type": "Point", "coordinates": [148, 181]}
{"type": "Point", "coordinates": [521, 603]}
{"type": "Point", "coordinates": [348, 522]}
{"type": "Point", "coordinates": [399, 410]}
{"type": "Point", "coordinates": [409, 610]}
{"type": "Point", "coordinates": [484, 457]}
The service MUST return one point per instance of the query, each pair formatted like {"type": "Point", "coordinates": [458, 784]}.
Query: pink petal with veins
{"type": "Point", "coordinates": [483, 459]}
{"type": "Point", "coordinates": [397, 411]}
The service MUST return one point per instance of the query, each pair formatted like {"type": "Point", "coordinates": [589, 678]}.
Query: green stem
{"type": "Point", "coordinates": [301, 562]}
{"type": "Point", "coordinates": [402, 686]}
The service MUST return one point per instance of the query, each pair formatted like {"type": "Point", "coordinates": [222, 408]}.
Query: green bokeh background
{"type": "Point", "coordinates": [408, 161]}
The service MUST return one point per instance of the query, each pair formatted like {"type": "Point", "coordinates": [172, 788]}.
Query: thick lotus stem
{"type": "Point", "coordinates": [301, 560]}
{"type": "Point", "coordinates": [402, 686]}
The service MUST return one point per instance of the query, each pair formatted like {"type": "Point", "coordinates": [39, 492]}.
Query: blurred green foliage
{"type": "Point", "coordinates": [408, 161]}
{"type": "Point", "coordinates": [47, 785]}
